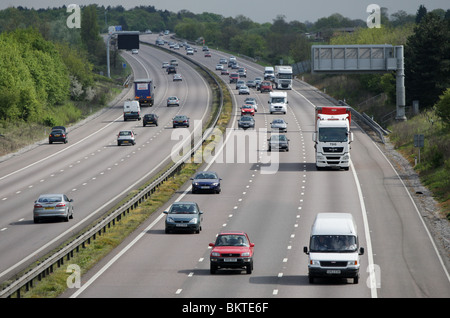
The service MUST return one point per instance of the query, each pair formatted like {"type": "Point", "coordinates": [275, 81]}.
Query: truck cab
{"type": "Point", "coordinates": [332, 137]}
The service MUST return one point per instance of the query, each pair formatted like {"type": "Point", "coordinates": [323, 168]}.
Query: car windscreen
{"type": "Point", "coordinates": [231, 240]}
{"type": "Point", "coordinates": [333, 243]}
{"type": "Point", "coordinates": [183, 209]}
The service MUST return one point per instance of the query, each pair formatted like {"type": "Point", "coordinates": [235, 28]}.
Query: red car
{"type": "Point", "coordinates": [248, 109]}
{"type": "Point", "coordinates": [234, 77]}
{"type": "Point", "coordinates": [231, 250]}
{"type": "Point", "coordinates": [265, 86]}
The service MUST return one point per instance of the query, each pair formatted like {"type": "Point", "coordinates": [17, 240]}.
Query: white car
{"type": "Point", "coordinates": [126, 137]}
{"type": "Point", "coordinates": [219, 67]}
{"type": "Point", "coordinates": [134, 51]}
{"type": "Point", "coordinates": [177, 77]}
{"type": "Point", "coordinates": [190, 51]}
{"type": "Point", "coordinates": [243, 89]}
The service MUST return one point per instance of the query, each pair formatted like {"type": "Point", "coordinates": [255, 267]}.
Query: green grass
{"type": "Point", "coordinates": [434, 165]}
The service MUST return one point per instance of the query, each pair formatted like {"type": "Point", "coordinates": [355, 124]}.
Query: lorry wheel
{"type": "Point", "coordinates": [356, 280]}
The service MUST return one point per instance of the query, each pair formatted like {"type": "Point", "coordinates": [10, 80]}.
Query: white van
{"type": "Point", "coordinates": [278, 102]}
{"type": "Point", "coordinates": [269, 73]}
{"type": "Point", "coordinates": [333, 247]}
{"type": "Point", "coordinates": [131, 110]}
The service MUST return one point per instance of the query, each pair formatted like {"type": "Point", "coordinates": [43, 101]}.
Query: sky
{"type": "Point", "coordinates": [260, 11]}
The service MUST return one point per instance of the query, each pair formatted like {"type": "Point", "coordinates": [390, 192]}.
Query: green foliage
{"type": "Point", "coordinates": [34, 78]}
{"type": "Point", "coordinates": [442, 107]}
{"type": "Point", "coordinates": [427, 60]}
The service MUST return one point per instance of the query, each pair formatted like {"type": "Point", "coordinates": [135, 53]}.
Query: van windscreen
{"type": "Point", "coordinates": [333, 243]}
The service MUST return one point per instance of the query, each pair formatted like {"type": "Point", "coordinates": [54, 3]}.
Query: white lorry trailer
{"type": "Point", "coordinates": [332, 137]}
{"type": "Point", "coordinates": [283, 77]}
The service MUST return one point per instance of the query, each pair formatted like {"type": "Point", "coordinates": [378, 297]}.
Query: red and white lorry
{"type": "Point", "coordinates": [332, 137]}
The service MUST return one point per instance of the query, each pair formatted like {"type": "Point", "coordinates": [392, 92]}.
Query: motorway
{"type": "Point", "coordinates": [274, 197]}
{"type": "Point", "coordinates": [91, 169]}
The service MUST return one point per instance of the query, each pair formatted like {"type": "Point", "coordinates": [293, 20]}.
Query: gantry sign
{"type": "Point", "coordinates": [127, 40]}
{"type": "Point", "coordinates": [355, 59]}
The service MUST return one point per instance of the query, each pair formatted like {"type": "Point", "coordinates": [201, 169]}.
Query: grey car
{"type": "Point", "coordinates": [183, 216]}
{"type": "Point", "coordinates": [280, 142]}
{"type": "Point", "coordinates": [279, 124]}
{"type": "Point", "coordinates": [53, 206]}
{"type": "Point", "coordinates": [246, 122]}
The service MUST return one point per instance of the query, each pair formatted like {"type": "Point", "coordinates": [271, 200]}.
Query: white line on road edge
{"type": "Point", "coordinates": [372, 277]}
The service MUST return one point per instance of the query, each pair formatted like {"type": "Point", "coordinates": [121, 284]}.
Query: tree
{"type": "Point", "coordinates": [427, 60]}
{"type": "Point", "coordinates": [442, 107]}
{"type": "Point", "coordinates": [421, 13]}
{"type": "Point", "coordinates": [90, 35]}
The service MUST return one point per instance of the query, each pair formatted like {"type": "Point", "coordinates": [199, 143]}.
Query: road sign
{"type": "Point", "coordinates": [419, 141]}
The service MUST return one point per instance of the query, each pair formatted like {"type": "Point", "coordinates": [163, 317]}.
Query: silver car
{"type": "Point", "coordinates": [279, 124]}
{"type": "Point", "coordinates": [126, 137]}
{"type": "Point", "coordinates": [243, 89]}
{"type": "Point", "coordinates": [53, 206]}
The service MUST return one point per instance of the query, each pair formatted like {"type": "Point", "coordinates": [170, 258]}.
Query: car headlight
{"type": "Point", "coordinates": [170, 220]}
{"type": "Point", "coordinates": [193, 221]}
{"type": "Point", "coordinates": [352, 263]}
{"type": "Point", "coordinates": [246, 254]}
{"type": "Point", "coordinates": [215, 184]}
{"type": "Point", "coordinates": [215, 254]}
{"type": "Point", "coordinates": [314, 262]}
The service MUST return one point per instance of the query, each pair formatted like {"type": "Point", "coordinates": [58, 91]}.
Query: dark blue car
{"type": "Point", "coordinates": [206, 181]}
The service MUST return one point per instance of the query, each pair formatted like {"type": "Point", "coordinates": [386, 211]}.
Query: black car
{"type": "Point", "coordinates": [171, 70]}
{"type": "Point", "coordinates": [58, 134]}
{"type": "Point", "coordinates": [180, 120]}
{"type": "Point", "coordinates": [246, 122]}
{"type": "Point", "coordinates": [150, 119]}
{"type": "Point", "coordinates": [206, 181]}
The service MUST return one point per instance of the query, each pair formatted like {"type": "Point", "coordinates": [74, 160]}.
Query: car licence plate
{"type": "Point", "coordinates": [49, 208]}
{"type": "Point", "coordinates": [181, 225]}
{"type": "Point", "coordinates": [333, 271]}
{"type": "Point", "coordinates": [125, 141]}
{"type": "Point", "coordinates": [230, 260]}
{"type": "Point", "coordinates": [204, 187]}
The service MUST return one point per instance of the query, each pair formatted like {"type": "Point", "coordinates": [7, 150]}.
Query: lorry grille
{"type": "Point", "coordinates": [333, 149]}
